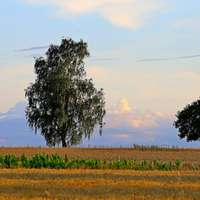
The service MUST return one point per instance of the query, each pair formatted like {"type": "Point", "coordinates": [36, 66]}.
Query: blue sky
{"type": "Point", "coordinates": [144, 53]}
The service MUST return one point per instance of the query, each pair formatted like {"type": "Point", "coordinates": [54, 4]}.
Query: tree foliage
{"type": "Point", "coordinates": [188, 122]}
{"type": "Point", "coordinates": [62, 103]}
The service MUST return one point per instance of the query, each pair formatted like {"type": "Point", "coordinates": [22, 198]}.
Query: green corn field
{"type": "Point", "coordinates": [57, 162]}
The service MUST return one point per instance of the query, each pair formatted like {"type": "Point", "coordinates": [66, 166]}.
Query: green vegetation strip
{"type": "Point", "coordinates": [57, 162]}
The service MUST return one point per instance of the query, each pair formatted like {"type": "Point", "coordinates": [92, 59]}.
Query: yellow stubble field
{"type": "Point", "coordinates": [101, 184]}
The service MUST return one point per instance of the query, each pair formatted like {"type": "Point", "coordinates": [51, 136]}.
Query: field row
{"type": "Point", "coordinates": [57, 162]}
{"type": "Point", "coordinates": [98, 184]}
{"type": "Point", "coordinates": [187, 156]}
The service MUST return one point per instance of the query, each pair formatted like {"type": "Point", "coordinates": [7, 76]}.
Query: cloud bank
{"type": "Point", "coordinates": [121, 115]}
{"type": "Point", "coordinates": [123, 13]}
{"type": "Point", "coordinates": [124, 126]}
{"type": "Point", "coordinates": [14, 131]}
{"type": "Point", "coordinates": [15, 112]}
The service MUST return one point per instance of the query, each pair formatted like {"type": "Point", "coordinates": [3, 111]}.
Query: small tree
{"type": "Point", "coordinates": [188, 122]}
{"type": "Point", "coordinates": [62, 103]}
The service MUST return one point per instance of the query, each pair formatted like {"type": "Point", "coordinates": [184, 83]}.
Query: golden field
{"type": "Point", "coordinates": [101, 184]}
{"type": "Point", "coordinates": [98, 184]}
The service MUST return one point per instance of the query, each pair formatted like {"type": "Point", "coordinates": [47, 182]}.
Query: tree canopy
{"type": "Point", "coordinates": [188, 122]}
{"type": "Point", "coordinates": [62, 104]}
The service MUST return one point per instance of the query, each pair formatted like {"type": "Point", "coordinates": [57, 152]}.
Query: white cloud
{"type": "Point", "coordinates": [14, 113]}
{"type": "Point", "coordinates": [121, 115]}
{"type": "Point", "coordinates": [120, 107]}
{"type": "Point", "coordinates": [123, 13]}
{"type": "Point", "coordinates": [130, 14]}
{"type": "Point", "coordinates": [128, 126]}
{"type": "Point", "coordinates": [159, 114]}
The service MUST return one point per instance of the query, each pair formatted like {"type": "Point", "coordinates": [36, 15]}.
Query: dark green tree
{"type": "Point", "coordinates": [62, 104]}
{"type": "Point", "coordinates": [188, 122]}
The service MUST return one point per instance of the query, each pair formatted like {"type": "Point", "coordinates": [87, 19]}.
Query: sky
{"type": "Point", "coordinates": [145, 54]}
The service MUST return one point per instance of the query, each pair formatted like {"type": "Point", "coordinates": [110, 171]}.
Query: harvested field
{"type": "Point", "coordinates": [101, 184]}
{"type": "Point", "coordinates": [189, 156]}
{"type": "Point", "coordinates": [98, 184]}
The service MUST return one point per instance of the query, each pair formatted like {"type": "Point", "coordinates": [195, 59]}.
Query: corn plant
{"type": "Point", "coordinates": [2, 158]}
{"type": "Point", "coordinates": [24, 161]}
{"type": "Point", "coordinates": [178, 164]}
{"type": "Point", "coordinates": [57, 162]}
{"type": "Point", "coordinates": [192, 167]}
